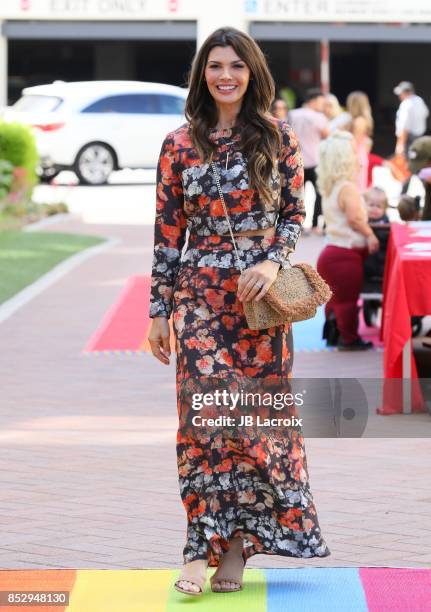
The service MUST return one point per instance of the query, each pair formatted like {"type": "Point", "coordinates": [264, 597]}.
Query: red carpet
{"type": "Point", "coordinates": [125, 326]}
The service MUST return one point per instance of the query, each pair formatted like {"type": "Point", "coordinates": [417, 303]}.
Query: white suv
{"type": "Point", "coordinates": [95, 127]}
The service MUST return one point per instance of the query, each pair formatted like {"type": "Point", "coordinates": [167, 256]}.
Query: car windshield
{"type": "Point", "coordinates": [38, 104]}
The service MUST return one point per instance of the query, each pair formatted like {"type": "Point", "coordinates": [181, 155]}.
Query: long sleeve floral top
{"type": "Point", "coordinates": [187, 198]}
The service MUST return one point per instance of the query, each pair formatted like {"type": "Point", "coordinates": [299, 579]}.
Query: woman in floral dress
{"type": "Point", "coordinates": [243, 493]}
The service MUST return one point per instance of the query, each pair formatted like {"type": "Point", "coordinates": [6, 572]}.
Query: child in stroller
{"type": "Point", "coordinates": [374, 265]}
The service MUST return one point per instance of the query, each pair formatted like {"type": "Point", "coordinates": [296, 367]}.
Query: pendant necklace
{"type": "Point", "coordinates": [229, 130]}
{"type": "Point", "coordinates": [228, 152]}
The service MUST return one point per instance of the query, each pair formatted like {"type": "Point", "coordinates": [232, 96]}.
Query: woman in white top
{"type": "Point", "coordinates": [349, 238]}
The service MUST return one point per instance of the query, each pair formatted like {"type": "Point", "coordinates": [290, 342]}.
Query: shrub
{"type": "Point", "coordinates": [6, 177]}
{"type": "Point", "coordinates": [55, 208]}
{"type": "Point", "coordinates": [18, 146]}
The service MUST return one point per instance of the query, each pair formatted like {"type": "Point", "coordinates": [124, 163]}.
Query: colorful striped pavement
{"type": "Point", "coordinates": [367, 589]}
{"type": "Point", "coordinates": [124, 329]}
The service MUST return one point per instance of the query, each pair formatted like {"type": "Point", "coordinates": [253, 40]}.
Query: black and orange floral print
{"type": "Point", "coordinates": [255, 486]}
{"type": "Point", "coordinates": [251, 484]}
{"type": "Point", "coordinates": [187, 198]}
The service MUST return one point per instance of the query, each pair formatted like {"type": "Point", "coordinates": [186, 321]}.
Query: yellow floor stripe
{"type": "Point", "coordinates": [120, 591]}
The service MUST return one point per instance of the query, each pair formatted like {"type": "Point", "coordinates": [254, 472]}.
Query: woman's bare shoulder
{"type": "Point", "coordinates": [348, 191]}
{"type": "Point", "coordinates": [348, 186]}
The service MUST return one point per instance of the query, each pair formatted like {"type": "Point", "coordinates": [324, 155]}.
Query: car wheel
{"type": "Point", "coordinates": [94, 163]}
{"type": "Point", "coordinates": [46, 177]}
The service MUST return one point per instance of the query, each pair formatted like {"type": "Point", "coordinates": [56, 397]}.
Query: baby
{"type": "Point", "coordinates": [374, 265]}
{"type": "Point", "coordinates": [409, 208]}
{"type": "Point", "coordinates": [377, 203]}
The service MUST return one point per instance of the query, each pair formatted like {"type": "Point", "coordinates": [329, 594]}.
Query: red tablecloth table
{"type": "Point", "coordinates": [406, 293]}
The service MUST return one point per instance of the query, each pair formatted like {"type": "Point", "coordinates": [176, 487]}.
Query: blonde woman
{"type": "Point", "coordinates": [338, 118]}
{"type": "Point", "coordinates": [349, 238]}
{"type": "Point", "coordinates": [361, 126]}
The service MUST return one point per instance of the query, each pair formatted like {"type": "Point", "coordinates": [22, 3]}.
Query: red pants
{"type": "Point", "coordinates": [343, 270]}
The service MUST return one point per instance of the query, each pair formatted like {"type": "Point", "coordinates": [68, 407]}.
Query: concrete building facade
{"type": "Point", "coordinates": [339, 45]}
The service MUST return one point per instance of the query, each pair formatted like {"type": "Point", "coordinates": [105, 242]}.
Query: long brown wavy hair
{"type": "Point", "coordinates": [260, 137]}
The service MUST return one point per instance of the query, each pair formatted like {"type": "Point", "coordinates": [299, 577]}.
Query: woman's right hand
{"type": "Point", "coordinates": [373, 243]}
{"type": "Point", "coordinates": [158, 338]}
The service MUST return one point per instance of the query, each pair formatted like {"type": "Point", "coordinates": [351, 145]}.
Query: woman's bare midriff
{"type": "Point", "coordinates": [269, 231]}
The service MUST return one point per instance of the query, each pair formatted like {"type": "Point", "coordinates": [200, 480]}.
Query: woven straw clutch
{"type": "Point", "coordinates": [293, 296]}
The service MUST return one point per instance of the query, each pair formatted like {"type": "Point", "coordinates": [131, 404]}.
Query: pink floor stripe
{"type": "Point", "coordinates": [390, 589]}
{"type": "Point", "coordinates": [125, 325]}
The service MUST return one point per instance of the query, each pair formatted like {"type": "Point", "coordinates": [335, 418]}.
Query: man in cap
{"type": "Point", "coordinates": [419, 160]}
{"type": "Point", "coordinates": [411, 119]}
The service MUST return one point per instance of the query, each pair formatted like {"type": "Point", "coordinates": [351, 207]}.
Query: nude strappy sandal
{"type": "Point", "coordinates": [226, 578]}
{"type": "Point", "coordinates": [200, 582]}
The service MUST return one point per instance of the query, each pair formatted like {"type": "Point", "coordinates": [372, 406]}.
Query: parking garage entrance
{"type": "Point", "coordinates": [41, 52]}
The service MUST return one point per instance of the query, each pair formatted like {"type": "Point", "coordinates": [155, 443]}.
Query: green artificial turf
{"type": "Point", "coordinates": [24, 257]}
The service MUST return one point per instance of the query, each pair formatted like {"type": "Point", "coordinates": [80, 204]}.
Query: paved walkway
{"type": "Point", "coordinates": [87, 444]}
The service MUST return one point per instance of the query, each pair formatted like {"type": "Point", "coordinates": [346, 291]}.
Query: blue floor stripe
{"type": "Point", "coordinates": [315, 590]}
{"type": "Point", "coordinates": [307, 335]}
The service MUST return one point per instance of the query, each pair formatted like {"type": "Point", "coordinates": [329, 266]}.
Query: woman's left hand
{"type": "Point", "coordinates": [255, 281]}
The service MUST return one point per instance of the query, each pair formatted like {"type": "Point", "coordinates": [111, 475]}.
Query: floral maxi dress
{"type": "Point", "coordinates": [253, 486]}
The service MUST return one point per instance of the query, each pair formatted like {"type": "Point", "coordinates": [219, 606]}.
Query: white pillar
{"type": "Point", "coordinates": [218, 14]}
{"type": "Point", "coordinates": [3, 70]}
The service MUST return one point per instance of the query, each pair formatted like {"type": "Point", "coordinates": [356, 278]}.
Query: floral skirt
{"type": "Point", "coordinates": [254, 483]}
